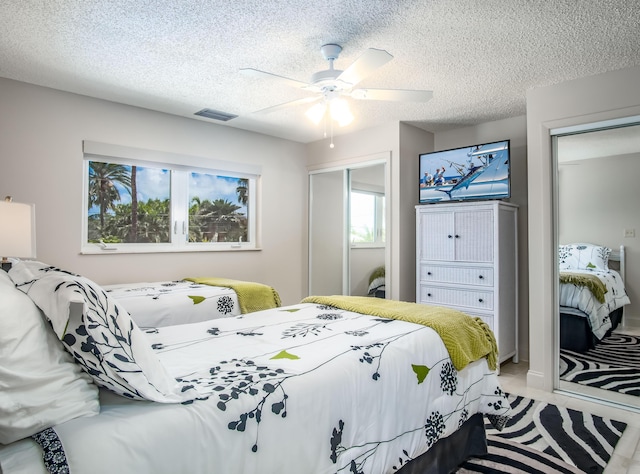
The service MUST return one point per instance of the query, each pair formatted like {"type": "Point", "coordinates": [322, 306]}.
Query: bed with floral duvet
{"type": "Point", "coordinates": [591, 294]}
{"type": "Point", "coordinates": [314, 387]}
{"type": "Point", "coordinates": [191, 300]}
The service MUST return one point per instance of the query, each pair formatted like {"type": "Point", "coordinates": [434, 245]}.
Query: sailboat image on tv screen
{"type": "Point", "coordinates": [481, 172]}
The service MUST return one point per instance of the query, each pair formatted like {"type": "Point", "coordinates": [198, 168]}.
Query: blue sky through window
{"type": "Point", "coordinates": [212, 187]}
{"type": "Point", "coordinates": [155, 183]}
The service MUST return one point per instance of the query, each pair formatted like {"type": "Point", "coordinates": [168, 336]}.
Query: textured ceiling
{"type": "Point", "coordinates": [478, 57]}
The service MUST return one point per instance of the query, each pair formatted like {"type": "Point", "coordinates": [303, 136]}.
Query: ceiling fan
{"type": "Point", "coordinates": [330, 85]}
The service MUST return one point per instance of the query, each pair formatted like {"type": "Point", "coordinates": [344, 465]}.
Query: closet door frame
{"type": "Point", "coordinates": [345, 166]}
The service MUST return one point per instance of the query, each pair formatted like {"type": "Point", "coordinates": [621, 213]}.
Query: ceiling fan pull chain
{"type": "Point", "coordinates": [324, 118]}
{"type": "Point", "coordinates": [331, 145]}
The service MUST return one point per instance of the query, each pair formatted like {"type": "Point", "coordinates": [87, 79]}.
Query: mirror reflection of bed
{"type": "Point", "coordinates": [596, 204]}
{"type": "Point", "coordinates": [595, 351]}
{"type": "Point", "coordinates": [377, 283]}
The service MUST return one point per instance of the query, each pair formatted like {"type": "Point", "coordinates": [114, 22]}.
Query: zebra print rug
{"type": "Point", "coordinates": [614, 364]}
{"type": "Point", "coordinates": [544, 438]}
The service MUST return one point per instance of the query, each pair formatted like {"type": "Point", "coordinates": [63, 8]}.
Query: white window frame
{"type": "Point", "coordinates": [179, 165]}
{"type": "Point", "coordinates": [379, 219]}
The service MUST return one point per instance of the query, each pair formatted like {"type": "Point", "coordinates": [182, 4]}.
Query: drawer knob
{"type": "Point", "coordinates": [480, 300]}
{"type": "Point", "coordinates": [457, 236]}
{"type": "Point", "coordinates": [429, 295]}
{"type": "Point", "coordinates": [450, 236]}
{"type": "Point", "coordinates": [428, 273]}
{"type": "Point", "coordinates": [481, 277]}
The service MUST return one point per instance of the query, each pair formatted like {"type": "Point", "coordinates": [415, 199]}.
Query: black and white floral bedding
{"type": "Point", "coordinates": [582, 299]}
{"type": "Point", "coordinates": [99, 333]}
{"type": "Point", "coordinates": [166, 303]}
{"type": "Point", "coordinates": [304, 388]}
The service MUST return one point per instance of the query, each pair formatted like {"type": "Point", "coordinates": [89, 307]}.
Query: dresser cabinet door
{"type": "Point", "coordinates": [473, 236]}
{"type": "Point", "coordinates": [437, 236]}
{"type": "Point", "coordinates": [459, 236]}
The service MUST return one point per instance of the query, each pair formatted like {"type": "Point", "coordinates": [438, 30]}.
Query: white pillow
{"type": "Point", "coordinates": [100, 334]}
{"type": "Point", "coordinates": [583, 256]}
{"type": "Point", "coordinates": [40, 383]}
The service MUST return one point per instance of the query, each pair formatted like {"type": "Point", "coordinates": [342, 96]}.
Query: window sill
{"type": "Point", "coordinates": [367, 246]}
{"type": "Point", "coordinates": [110, 249]}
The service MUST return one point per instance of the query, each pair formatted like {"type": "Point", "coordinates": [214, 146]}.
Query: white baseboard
{"type": "Point", "coordinates": [631, 321]}
{"type": "Point", "coordinates": [535, 380]}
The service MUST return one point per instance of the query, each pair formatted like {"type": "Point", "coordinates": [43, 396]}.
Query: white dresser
{"type": "Point", "coordinates": [467, 259]}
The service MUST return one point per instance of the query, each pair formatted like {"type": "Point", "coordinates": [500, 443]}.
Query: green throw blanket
{"type": "Point", "coordinates": [466, 338]}
{"type": "Point", "coordinates": [251, 296]}
{"type": "Point", "coordinates": [592, 282]}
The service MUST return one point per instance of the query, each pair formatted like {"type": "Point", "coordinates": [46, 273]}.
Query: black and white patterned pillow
{"type": "Point", "coordinates": [583, 257]}
{"type": "Point", "coordinates": [99, 333]}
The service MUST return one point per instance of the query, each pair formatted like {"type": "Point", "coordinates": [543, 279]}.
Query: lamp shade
{"type": "Point", "coordinates": [17, 230]}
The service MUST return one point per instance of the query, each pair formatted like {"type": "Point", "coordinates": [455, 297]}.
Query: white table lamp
{"type": "Point", "coordinates": [17, 231]}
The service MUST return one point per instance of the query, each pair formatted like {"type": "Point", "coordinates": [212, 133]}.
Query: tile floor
{"type": "Point", "coordinates": [626, 457]}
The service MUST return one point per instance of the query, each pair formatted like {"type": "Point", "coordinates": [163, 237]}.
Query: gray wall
{"type": "Point", "coordinates": [41, 162]}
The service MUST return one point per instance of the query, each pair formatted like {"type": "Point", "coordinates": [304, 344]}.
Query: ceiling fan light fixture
{"type": "Point", "coordinates": [328, 85]}
{"type": "Point", "coordinates": [316, 112]}
{"type": "Point", "coordinates": [339, 109]}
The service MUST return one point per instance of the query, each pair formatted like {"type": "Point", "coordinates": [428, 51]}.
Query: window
{"type": "Point", "coordinates": [218, 208]}
{"type": "Point", "coordinates": [136, 205]}
{"type": "Point", "coordinates": [367, 218]}
{"type": "Point", "coordinates": [128, 204]}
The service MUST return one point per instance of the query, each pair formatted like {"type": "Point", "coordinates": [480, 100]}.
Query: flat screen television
{"type": "Point", "coordinates": [470, 173]}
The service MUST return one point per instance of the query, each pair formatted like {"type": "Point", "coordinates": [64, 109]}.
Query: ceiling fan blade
{"type": "Point", "coordinates": [286, 105]}
{"type": "Point", "coordinates": [392, 94]}
{"type": "Point", "coordinates": [267, 75]}
{"type": "Point", "coordinates": [368, 62]}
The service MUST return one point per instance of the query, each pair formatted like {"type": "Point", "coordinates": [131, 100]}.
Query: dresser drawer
{"type": "Point", "coordinates": [456, 297]}
{"type": "Point", "coordinates": [481, 276]}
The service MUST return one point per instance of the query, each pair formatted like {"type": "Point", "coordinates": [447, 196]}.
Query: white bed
{"type": "Point", "coordinates": [167, 303]}
{"type": "Point", "coordinates": [303, 388]}
{"type": "Point", "coordinates": [580, 302]}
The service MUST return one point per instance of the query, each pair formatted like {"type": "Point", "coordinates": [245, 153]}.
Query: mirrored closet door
{"type": "Point", "coordinates": [347, 230]}
{"type": "Point", "coordinates": [596, 206]}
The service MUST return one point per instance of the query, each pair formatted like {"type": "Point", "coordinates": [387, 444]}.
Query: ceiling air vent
{"type": "Point", "coordinates": [215, 115]}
